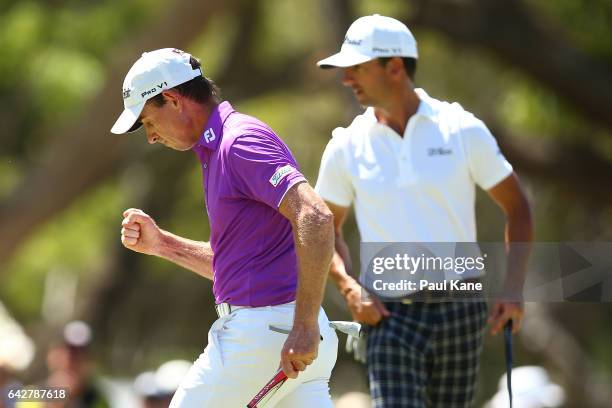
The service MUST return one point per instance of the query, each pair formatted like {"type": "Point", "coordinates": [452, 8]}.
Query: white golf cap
{"type": "Point", "coordinates": [153, 73]}
{"type": "Point", "coordinates": [532, 388]}
{"type": "Point", "coordinates": [373, 37]}
{"type": "Point", "coordinates": [77, 334]}
{"type": "Point", "coordinates": [170, 374]}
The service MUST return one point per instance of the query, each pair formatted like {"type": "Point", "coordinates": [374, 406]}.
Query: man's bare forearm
{"type": "Point", "coordinates": [518, 237]}
{"type": "Point", "coordinates": [196, 256]}
{"type": "Point", "coordinates": [313, 233]}
{"type": "Point", "coordinates": [340, 269]}
{"type": "Point", "coordinates": [314, 242]}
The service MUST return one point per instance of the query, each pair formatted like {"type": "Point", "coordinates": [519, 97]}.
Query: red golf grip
{"type": "Point", "coordinates": [278, 378]}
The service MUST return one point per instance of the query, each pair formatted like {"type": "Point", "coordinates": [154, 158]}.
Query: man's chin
{"type": "Point", "coordinates": [178, 147]}
{"type": "Point", "coordinates": [363, 101]}
{"type": "Point", "coordinates": [181, 148]}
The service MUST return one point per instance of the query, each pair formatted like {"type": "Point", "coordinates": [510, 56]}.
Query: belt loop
{"type": "Point", "coordinates": [223, 309]}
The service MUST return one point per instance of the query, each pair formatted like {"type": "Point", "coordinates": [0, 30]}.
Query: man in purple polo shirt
{"type": "Point", "coordinates": [270, 247]}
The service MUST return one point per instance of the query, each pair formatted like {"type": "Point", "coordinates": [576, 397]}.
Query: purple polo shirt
{"type": "Point", "coordinates": [247, 169]}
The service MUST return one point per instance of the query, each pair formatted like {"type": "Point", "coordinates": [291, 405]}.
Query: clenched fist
{"type": "Point", "coordinates": [140, 233]}
{"type": "Point", "coordinates": [300, 349]}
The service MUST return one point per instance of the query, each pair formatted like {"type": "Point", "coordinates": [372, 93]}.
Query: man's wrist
{"type": "Point", "coordinates": [164, 248]}
{"type": "Point", "coordinates": [513, 289]}
{"type": "Point", "coordinates": [306, 323]}
{"type": "Point", "coordinates": [346, 285]}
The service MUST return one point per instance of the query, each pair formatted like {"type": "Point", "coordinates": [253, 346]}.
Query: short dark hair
{"type": "Point", "coordinates": [409, 65]}
{"type": "Point", "coordinates": [200, 89]}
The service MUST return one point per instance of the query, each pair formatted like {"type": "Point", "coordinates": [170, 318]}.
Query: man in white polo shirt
{"type": "Point", "coordinates": [410, 164]}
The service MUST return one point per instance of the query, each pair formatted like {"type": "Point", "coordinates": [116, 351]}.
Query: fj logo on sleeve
{"type": "Point", "coordinates": [280, 174]}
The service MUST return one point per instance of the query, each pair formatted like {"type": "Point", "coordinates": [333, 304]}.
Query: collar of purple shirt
{"type": "Point", "coordinates": [213, 130]}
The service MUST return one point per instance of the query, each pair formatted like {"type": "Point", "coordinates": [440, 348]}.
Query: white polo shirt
{"type": "Point", "coordinates": [419, 188]}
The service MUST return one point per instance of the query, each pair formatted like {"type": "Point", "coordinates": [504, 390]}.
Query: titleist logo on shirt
{"type": "Point", "coordinates": [280, 174]}
{"type": "Point", "coordinates": [438, 151]}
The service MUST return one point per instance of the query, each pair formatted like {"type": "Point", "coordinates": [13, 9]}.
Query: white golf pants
{"type": "Point", "coordinates": [243, 354]}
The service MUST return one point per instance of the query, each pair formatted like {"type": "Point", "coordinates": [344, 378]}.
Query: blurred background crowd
{"type": "Point", "coordinates": [539, 73]}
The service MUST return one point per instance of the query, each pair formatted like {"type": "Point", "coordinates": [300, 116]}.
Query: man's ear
{"type": "Point", "coordinates": [173, 98]}
{"type": "Point", "coordinates": [395, 66]}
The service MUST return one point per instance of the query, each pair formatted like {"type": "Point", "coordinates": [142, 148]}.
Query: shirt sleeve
{"type": "Point", "coordinates": [333, 183]}
{"type": "Point", "coordinates": [263, 168]}
{"type": "Point", "coordinates": [488, 166]}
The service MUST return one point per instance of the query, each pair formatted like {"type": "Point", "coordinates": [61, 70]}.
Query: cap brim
{"type": "Point", "coordinates": [344, 59]}
{"type": "Point", "coordinates": [128, 120]}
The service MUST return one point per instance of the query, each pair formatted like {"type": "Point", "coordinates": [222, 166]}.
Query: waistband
{"type": "Point", "coordinates": [224, 309]}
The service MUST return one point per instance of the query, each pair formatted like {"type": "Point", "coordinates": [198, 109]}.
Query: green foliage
{"type": "Point", "coordinates": [21, 34]}
{"type": "Point", "coordinates": [189, 216]}
{"type": "Point", "coordinates": [61, 79]}
{"type": "Point", "coordinates": [211, 46]}
{"type": "Point", "coordinates": [10, 171]}
{"type": "Point", "coordinates": [534, 111]}
{"type": "Point", "coordinates": [277, 38]}
{"type": "Point", "coordinates": [75, 241]}
{"type": "Point", "coordinates": [585, 22]}
{"type": "Point", "coordinates": [53, 59]}
{"type": "Point", "coordinates": [383, 7]}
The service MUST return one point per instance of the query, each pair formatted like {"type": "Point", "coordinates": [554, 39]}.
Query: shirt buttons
{"type": "Point", "coordinates": [205, 165]}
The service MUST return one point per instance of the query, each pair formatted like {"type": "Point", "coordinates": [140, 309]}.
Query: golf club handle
{"type": "Point", "coordinates": [280, 376]}
{"type": "Point", "coordinates": [508, 347]}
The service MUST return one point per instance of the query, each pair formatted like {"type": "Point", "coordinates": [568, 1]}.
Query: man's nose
{"type": "Point", "coordinates": [347, 77]}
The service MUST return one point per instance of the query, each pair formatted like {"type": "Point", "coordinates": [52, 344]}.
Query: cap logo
{"type": "Point", "coordinates": [386, 50]}
{"type": "Point", "coordinates": [126, 93]}
{"type": "Point", "coordinates": [352, 41]}
{"type": "Point", "coordinates": [154, 90]}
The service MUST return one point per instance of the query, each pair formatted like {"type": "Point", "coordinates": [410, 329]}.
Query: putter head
{"type": "Point", "coordinates": [350, 328]}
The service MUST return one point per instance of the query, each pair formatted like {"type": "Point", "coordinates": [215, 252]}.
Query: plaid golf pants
{"type": "Point", "coordinates": [426, 354]}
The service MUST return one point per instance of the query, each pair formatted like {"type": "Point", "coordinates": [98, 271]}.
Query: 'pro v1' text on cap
{"type": "Point", "coordinates": [153, 73]}
{"type": "Point", "coordinates": [373, 37]}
